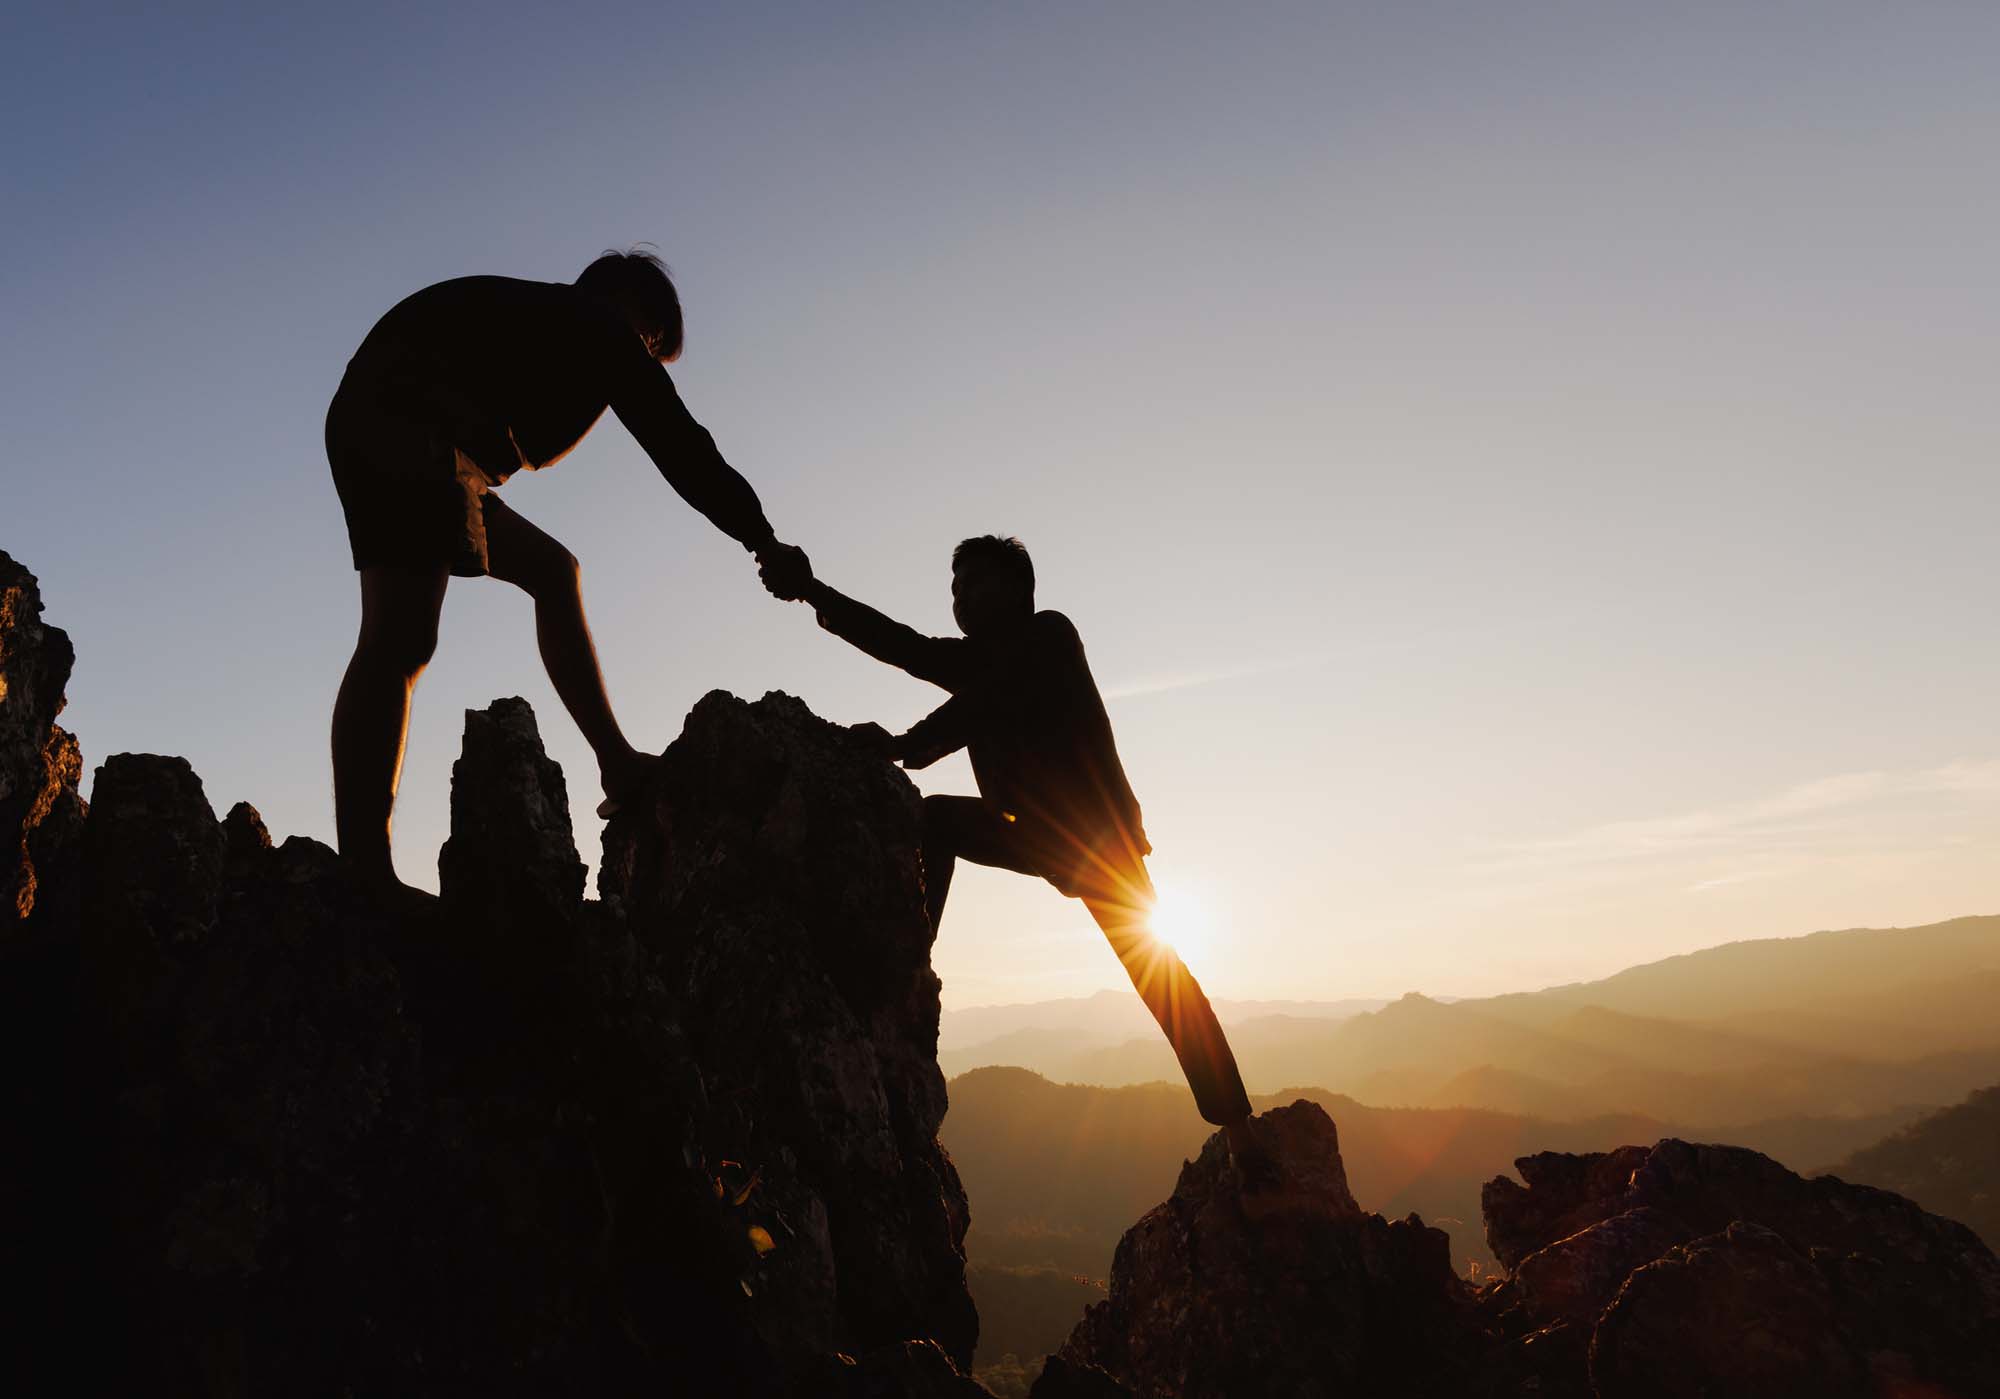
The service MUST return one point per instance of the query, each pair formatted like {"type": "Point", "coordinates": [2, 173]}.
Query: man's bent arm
{"type": "Point", "coordinates": [686, 455]}
{"type": "Point", "coordinates": [1019, 687]}
{"type": "Point", "coordinates": [944, 730]}
{"type": "Point", "coordinates": [939, 659]}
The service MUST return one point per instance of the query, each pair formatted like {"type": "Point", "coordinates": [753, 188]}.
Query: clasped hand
{"type": "Point", "coordinates": [785, 570]}
{"type": "Point", "coordinates": [787, 575]}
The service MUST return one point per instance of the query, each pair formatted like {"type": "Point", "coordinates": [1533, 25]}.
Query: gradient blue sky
{"type": "Point", "coordinates": [1526, 474]}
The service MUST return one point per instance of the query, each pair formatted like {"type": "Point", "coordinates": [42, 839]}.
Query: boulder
{"type": "Point", "coordinates": [1692, 1268]}
{"type": "Point", "coordinates": [1740, 1312]}
{"type": "Point", "coordinates": [1293, 1290]}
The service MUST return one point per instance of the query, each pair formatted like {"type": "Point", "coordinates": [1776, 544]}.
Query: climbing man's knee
{"type": "Point", "coordinates": [940, 823]}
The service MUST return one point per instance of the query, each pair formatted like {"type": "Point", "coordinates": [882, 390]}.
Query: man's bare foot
{"type": "Point", "coordinates": [625, 780]}
{"type": "Point", "coordinates": [394, 897]}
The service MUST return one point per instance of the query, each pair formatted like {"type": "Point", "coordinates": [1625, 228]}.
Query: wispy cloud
{"type": "Point", "coordinates": [1181, 680]}
{"type": "Point", "coordinates": [1792, 821]}
{"type": "Point", "coordinates": [1188, 679]}
{"type": "Point", "coordinates": [1430, 640]}
{"type": "Point", "coordinates": [1702, 886]}
{"type": "Point", "coordinates": [1975, 778]}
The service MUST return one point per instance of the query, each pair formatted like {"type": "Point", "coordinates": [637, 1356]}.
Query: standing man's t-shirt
{"type": "Point", "coordinates": [466, 382]}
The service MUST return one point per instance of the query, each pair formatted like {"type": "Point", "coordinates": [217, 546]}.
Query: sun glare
{"type": "Point", "coordinates": [1182, 919]}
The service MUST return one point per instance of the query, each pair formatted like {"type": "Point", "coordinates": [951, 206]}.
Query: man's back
{"type": "Point", "coordinates": [1041, 741]}
{"type": "Point", "coordinates": [1024, 705]}
{"type": "Point", "coordinates": [518, 371]}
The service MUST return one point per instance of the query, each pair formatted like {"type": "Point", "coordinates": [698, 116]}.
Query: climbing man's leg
{"type": "Point", "coordinates": [1173, 995]}
{"type": "Point", "coordinates": [969, 828]}
{"type": "Point", "coordinates": [371, 714]}
{"type": "Point", "coordinates": [519, 553]}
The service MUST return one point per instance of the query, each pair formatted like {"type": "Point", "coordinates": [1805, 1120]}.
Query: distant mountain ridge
{"type": "Point", "coordinates": [1746, 976]}
{"type": "Point", "coordinates": [1112, 1015]}
{"type": "Point", "coordinates": [1846, 1023]}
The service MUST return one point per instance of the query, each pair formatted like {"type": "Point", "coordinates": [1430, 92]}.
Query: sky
{"type": "Point", "coordinates": [1525, 475]}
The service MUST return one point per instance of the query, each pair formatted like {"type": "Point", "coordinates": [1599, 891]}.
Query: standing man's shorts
{"type": "Point", "coordinates": [412, 499]}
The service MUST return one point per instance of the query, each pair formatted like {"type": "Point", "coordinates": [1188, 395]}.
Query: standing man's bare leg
{"type": "Point", "coordinates": [519, 553]}
{"type": "Point", "coordinates": [371, 714]}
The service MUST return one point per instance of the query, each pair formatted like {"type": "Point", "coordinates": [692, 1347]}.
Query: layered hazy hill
{"type": "Point", "coordinates": [1948, 1162]}
{"type": "Point", "coordinates": [1854, 1023]}
{"type": "Point", "coordinates": [1056, 1173]}
{"type": "Point", "coordinates": [1807, 1049]}
{"type": "Point", "coordinates": [1110, 1037]}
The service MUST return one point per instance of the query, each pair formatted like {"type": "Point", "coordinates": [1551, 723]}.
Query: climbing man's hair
{"type": "Point", "coordinates": [1005, 553]}
{"type": "Point", "coordinates": [637, 277]}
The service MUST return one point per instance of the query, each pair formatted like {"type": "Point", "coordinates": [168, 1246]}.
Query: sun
{"type": "Point", "coordinates": [1182, 919]}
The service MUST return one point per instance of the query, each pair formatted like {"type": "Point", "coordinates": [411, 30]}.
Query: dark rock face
{"type": "Point", "coordinates": [779, 872]}
{"type": "Point", "coordinates": [1295, 1292]}
{"type": "Point", "coordinates": [1643, 1273]}
{"type": "Point", "coordinates": [1742, 1307]}
{"type": "Point", "coordinates": [1712, 1269]}
{"type": "Point", "coordinates": [510, 861]}
{"type": "Point", "coordinates": [270, 1139]}
{"type": "Point", "coordinates": [1574, 1277]}
{"type": "Point", "coordinates": [41, 815]}
{"type": "Point", "coordinates": [153, 849]}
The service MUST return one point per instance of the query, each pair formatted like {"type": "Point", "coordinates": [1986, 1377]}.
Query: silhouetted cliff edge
{"type": "Point", "coordinates": [680, 1139]}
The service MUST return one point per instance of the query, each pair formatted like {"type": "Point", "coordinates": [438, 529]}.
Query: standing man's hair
{"type": "Point", "coordinates": [1007, 554]}
{"type": "Point", "coordinates": [638, 278]}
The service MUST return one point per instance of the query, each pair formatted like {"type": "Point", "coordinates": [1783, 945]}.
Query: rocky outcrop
{"type": "Point", "coordinates": [272, 1138]}
{"type": "Point", "coordinates": [1223, 1291]}
{"type": "Point", "coordinates": [1681, 1269]}
{"type": "Point", "coordinates": [1643, 1273]}
{"type": "Point", "coordinates": [814, 1020]}
{"type": "Point", "coordinates": [41, 814]}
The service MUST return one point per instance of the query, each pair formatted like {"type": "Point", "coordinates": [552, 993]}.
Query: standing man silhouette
{"type": "Point", "coordinates": [1054, 801]}
{"type": "Point", "coordinates": [456, 388]}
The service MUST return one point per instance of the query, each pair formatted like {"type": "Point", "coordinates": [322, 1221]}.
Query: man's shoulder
{"type": "Point", "coordinates": [1052, 625]}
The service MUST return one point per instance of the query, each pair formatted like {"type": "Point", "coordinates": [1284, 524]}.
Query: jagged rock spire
{"type": "Point", "coordinates": [41, 814]}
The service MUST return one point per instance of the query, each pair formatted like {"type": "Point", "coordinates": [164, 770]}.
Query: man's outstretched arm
{"type": "Point", "coordinates": [941, 660]}
{"type": "Point", "coordinates": [686, 455]}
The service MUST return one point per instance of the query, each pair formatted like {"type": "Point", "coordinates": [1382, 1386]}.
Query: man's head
{"type": "Point", "coordinates": [992, 584]}
{"type": "Point", "coordinates": [637, 284]}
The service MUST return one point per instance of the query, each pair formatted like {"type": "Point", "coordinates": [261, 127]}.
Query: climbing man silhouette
{"type": "Point", "coordinates": [1054, 800]}
{"type": "Point", "coordinates": [456, 388]}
